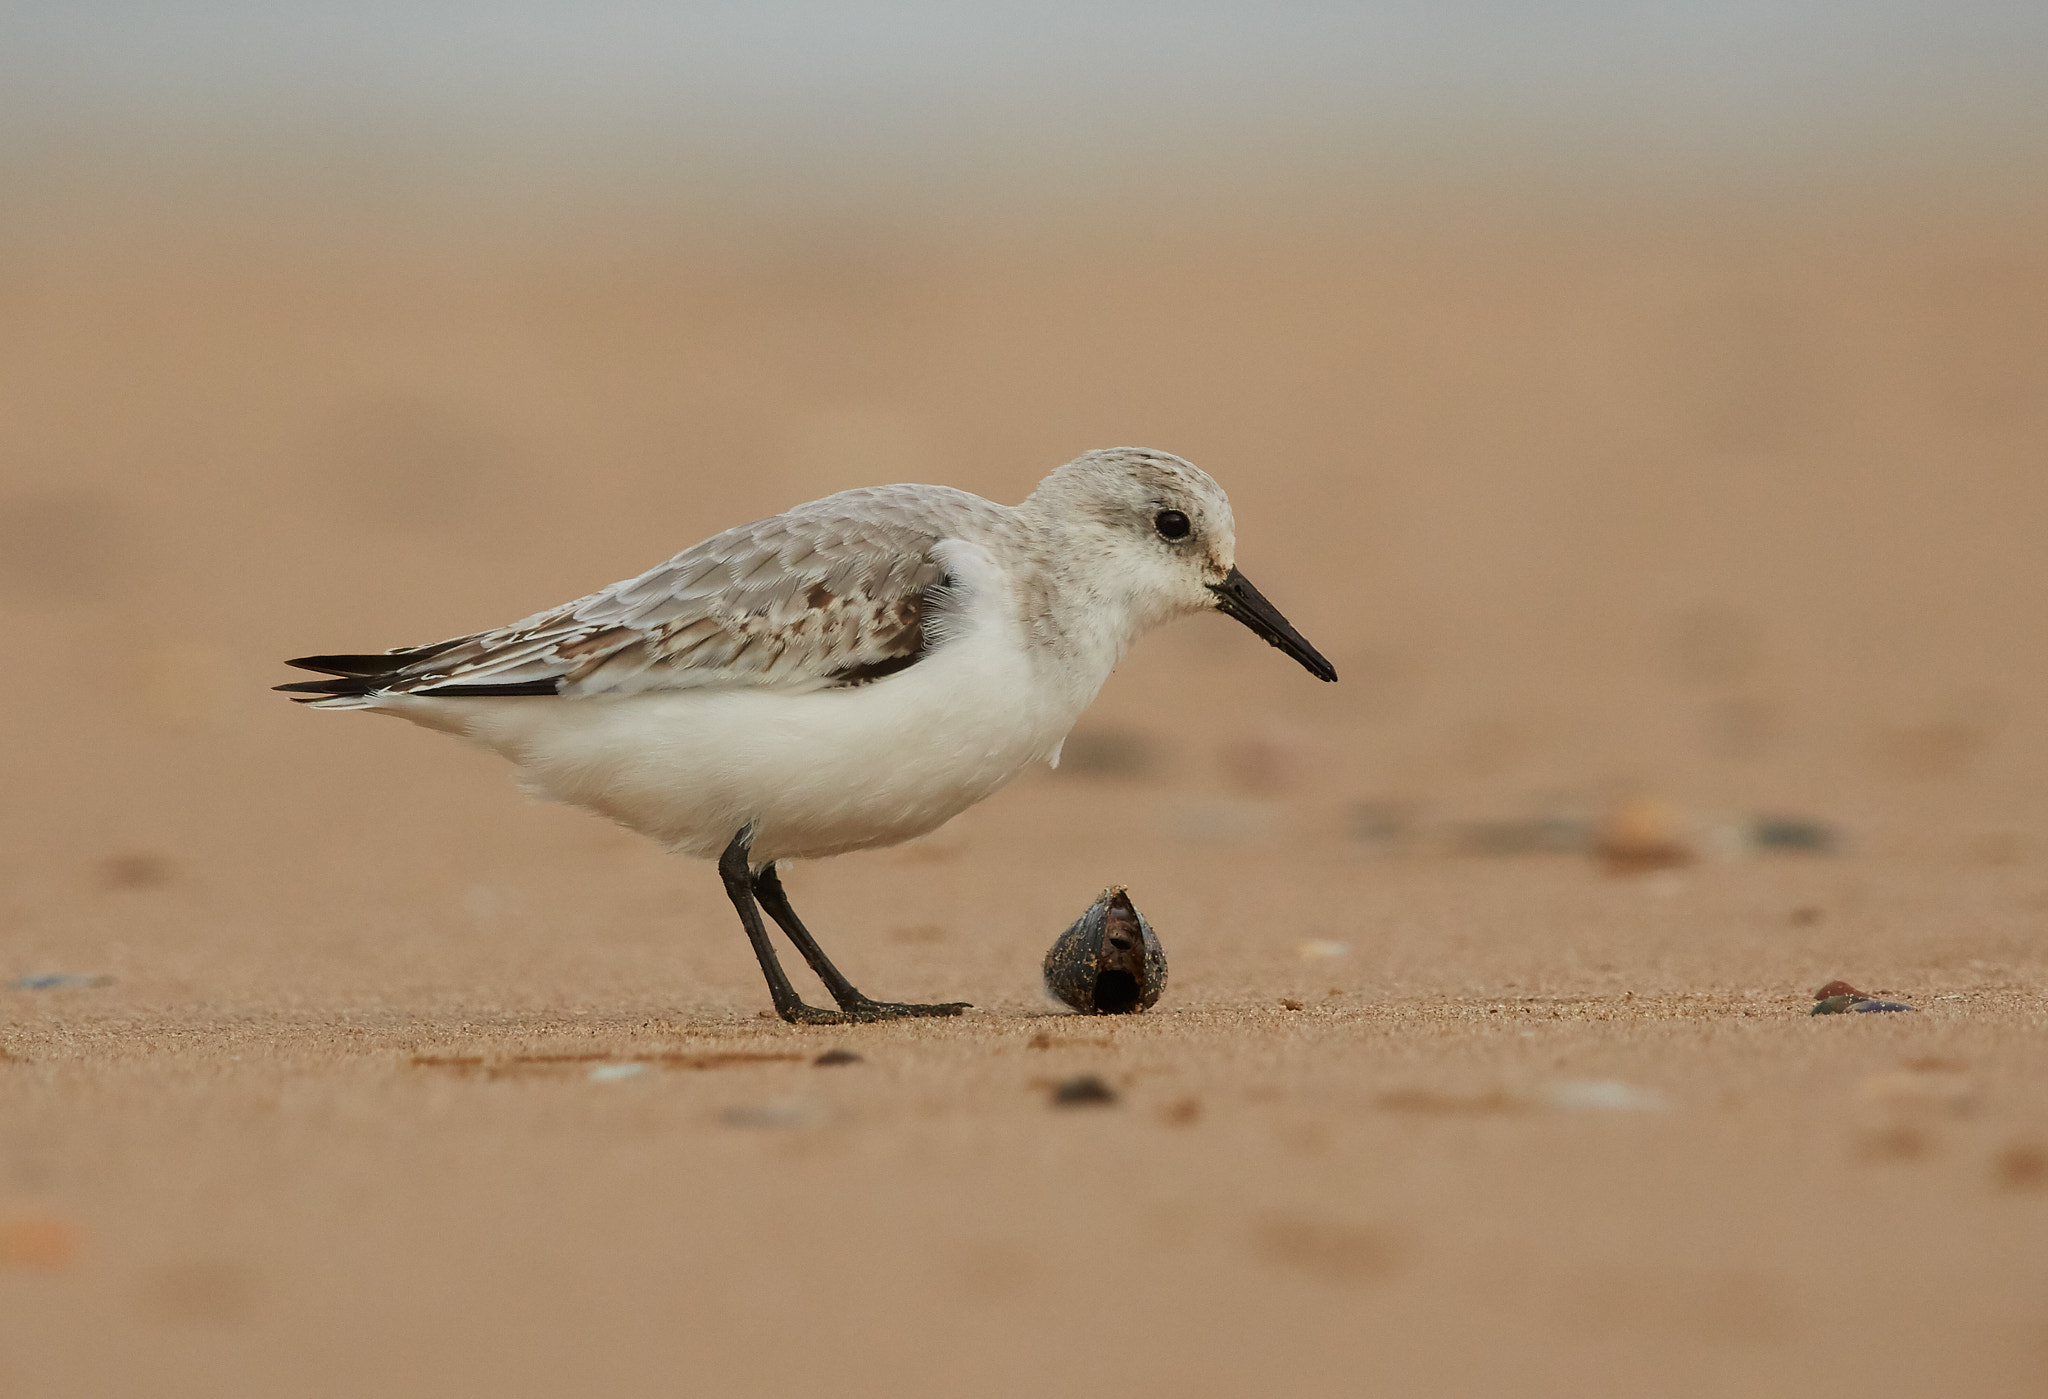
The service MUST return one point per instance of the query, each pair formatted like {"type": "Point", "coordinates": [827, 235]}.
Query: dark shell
{"type": "Point", "coordinates": [1109, 962]}
{"type": "Point", "coordinates": [1082, 1090]}
{"type": "Point", "coordinates": [1846, 1005]}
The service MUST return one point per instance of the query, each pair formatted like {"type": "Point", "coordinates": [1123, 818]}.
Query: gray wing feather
{"type": "Point", "coordinates": [830, 593]}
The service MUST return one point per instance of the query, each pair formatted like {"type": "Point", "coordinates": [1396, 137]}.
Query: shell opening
{"type": "Point", "coordinates": [1117, 993]}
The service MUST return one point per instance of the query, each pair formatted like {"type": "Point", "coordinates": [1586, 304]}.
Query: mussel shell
{"type": "Point", "coordinates": [1109, 961]}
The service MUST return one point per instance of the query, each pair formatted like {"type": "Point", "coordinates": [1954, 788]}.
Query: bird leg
{"type": "Point", "coordinates": [768, 889]}
{"type": "Point", "coordinates": [739, 887]}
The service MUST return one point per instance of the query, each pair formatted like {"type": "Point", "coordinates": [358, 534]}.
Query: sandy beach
{"type": "Point", "coordinates": [1712, 535]}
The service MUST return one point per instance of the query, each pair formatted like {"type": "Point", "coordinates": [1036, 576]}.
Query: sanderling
{"type": "Point", "coordinates": [850, 674]}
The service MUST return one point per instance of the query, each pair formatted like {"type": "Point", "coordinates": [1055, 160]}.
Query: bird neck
{"type": "Point", "coordinates": [1075, 603]}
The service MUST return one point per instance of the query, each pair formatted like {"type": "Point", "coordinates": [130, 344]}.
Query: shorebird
{"type": "Point", "coordinates": [846, 675]}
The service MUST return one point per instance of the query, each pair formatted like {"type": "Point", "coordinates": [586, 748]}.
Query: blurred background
{"type": "Point", "coordinates": [1631, 397]}
{"type": "Point", "coordinates": [1645, 405]}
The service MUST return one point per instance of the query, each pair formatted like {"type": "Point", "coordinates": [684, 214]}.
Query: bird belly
{"type": "Point", "coordinates": [816, 773]}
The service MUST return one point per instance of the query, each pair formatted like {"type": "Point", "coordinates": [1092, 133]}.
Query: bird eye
{"type": "Point", "coordinates": [1171, 524]}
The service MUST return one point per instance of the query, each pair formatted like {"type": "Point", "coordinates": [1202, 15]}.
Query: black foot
{"type": "Point", "coordinates": [865, 1012]}
{"type": "Point", "coordinates": [801, 1014]}
{"type": "Point", "coordinates": [865, 1009]}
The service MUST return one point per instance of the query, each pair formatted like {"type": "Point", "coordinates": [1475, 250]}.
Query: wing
{"type": "Point", "coordinates": [843, 591]}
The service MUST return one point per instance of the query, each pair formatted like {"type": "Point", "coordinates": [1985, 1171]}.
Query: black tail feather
{"type": "Point", "coordinates": [342, 685]}
{"type": "Point", "coordinates": [367, 674]}
{"type": "Point", "coordinates": [374, 663]}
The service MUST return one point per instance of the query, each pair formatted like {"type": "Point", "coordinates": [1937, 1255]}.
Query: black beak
{"type": "Point", "coordinates": [1236, 597]}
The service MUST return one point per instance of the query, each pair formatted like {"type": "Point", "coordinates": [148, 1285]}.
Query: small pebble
{"type": "Point", "coordinates": [1082, 1090]}
{"type": "Point", "coordinates": [833, 1057]}
{"type": "Point", "coordinates": [55, 981]}
{"type": "Point", "coordinates": [1855, 1005]}
{"type": "Point", "coordinates": [1840, 998]}
{"type": "Point", "coordinates": [613, 1073]}
{"type": "Point", "coordinates": [1642, 836]}
{"type": "Point", "coordinates": [1796, 834]}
